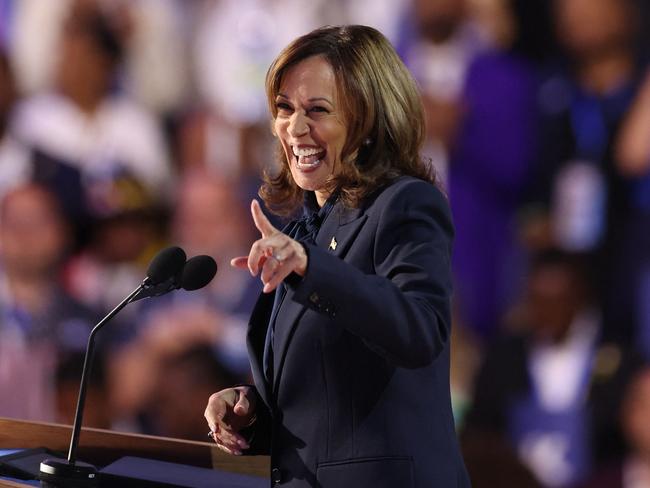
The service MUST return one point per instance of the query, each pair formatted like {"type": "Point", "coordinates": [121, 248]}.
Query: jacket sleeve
{"type": "Point", "coordinates": [258, 434]}
{"type": "Point", "coordinates": [402, 310]}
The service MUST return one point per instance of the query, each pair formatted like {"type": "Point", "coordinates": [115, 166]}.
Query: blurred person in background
{"type": "Point", "coordinates": [97, 412]}
{"type": "Point", "coordinates": [185, 378]}
{"type": "Point", "coordinates": [439, 49]}
{"type": "Point", "coordinates": [21, 164]}
{"type": "Point", "coordinates": [550, 388]}
{"type": "Point", "coordinates": [633, 469]}
{"type": "Point", "coordinates": [125, 230]}
{"type": "Point", "coordinates": [85, 120]}
{"type": "Point", "coordinates": [208, 218]}
{"type": "Point", "coordinates": [154, 32]}
{"type": "Point", "coordinates": [584, 199]}
{"type": "Point", "coordinates": [633, 266]}
{"type": "Point", "coordinates": [492, 158]}
{"type": "Point", "coordinates": [492, 462]}
{"type": "Point", "coordinates": [39, 321]}
{"type": "Point", "coordinates": [14, 157]}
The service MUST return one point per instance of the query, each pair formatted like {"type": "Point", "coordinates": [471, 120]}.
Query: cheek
{"type": "Point", "coordinates": [280, 127]}
{"type": "Point", "coordinates": [328, 133]}
{"type": "Point", "coordinates": [280, 131]}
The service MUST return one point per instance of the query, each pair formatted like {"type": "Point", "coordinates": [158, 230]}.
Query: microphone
{"type": "Point", "coordinates": [167, 264]}
{"type": "Point", "coordinates": [164, 265]}
{"type": "Point", "coordinates": [197, 273]}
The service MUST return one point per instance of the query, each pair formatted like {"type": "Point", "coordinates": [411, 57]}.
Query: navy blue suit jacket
{"type": "Point", "coordinates": [360, 396]}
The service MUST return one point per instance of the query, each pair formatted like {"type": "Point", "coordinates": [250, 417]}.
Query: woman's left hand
{"type": "Point", "coordinates": [275, 256]}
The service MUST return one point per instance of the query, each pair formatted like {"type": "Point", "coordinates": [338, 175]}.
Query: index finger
{"type": "Point", "coordinates": [261, 222]}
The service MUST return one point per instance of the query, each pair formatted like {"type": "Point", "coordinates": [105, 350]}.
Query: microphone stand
{"type": "Point", "coordinates": [72, 472]}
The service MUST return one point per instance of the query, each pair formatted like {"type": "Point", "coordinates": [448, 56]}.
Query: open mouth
{"type": "Point", "coordinates": [308, 158]}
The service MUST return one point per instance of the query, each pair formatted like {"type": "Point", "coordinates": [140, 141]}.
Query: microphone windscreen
{"type": "Point", "coordinates": [166, 264]}
{"type": "Point", "coordinates": [198, 272]}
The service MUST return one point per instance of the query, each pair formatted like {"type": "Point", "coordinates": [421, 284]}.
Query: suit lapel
{"type": "Point", "coordinates": [342, 225]}
{"type": "Point", "coordinates": [338, 233]}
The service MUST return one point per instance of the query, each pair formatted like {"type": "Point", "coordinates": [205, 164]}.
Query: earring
{"type": "Point", "coordinates": [367, 141]}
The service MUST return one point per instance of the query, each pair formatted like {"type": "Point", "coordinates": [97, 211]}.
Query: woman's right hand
{"type": "Point", "coordinates": [227, 413]}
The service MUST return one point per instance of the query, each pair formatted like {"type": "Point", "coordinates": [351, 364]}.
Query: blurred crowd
{"type": "Point", "coordinates": [129, 125]}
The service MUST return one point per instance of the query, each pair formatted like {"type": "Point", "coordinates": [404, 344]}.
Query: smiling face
{"type": "Point", "coordinates": [310, 124]}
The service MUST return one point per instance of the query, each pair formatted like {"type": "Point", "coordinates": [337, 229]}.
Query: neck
{"type": "Point", "coordinates": [87, 100]}
{"type": "Point", "coordinates": [87, 104]}
{"type": "Point", "coordinates": [321, 197]}
{"type": "Point", "coordinates": [606, 72]}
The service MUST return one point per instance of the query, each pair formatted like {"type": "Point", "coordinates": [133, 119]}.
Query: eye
{"type": "Point", "coordinates": [283, 107]}
{"type": "Point", "coordinates": [319, 109]}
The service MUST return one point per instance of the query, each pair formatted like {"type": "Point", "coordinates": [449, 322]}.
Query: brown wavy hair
{"type": "Point", "coordinates": [382, 110]}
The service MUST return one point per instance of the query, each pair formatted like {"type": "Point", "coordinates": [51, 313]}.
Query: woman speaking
{"type": "Point", "coordinates": [349, 341]}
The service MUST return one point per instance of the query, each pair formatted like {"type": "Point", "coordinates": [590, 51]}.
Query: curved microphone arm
{"type": "Point", "coordinates": [90, 349]}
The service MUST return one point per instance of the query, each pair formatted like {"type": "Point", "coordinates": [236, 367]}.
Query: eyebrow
{"type": "Point", "coordinates": [313, 99]}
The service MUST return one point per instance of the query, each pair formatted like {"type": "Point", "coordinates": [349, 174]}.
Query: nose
{"type": "Point", "coordinates": [298, 124]}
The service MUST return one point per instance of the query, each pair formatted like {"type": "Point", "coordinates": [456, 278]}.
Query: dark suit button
{"type": "Point", "coordinates": [314, 298]}
{"type": "Point", "coordinates": [276, 476]}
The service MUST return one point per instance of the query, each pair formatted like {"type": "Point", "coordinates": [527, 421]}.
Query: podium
{"type": "Point", "coordinates": [103, 447]}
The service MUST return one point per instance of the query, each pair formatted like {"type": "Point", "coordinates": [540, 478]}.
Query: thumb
{"type": "Point", "coordinates": [261, 221]}
{"type": "Point", "coordinates": [242, 407]}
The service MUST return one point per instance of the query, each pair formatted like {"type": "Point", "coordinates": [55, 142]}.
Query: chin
{"type": "Point", "coordinates": [310, 179]}
{"type": "Point", "coordinates": [308, 184]}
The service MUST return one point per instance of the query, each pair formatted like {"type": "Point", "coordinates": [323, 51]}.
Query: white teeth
{"type": "Point", "coordinates": [308, 165]}
{"type": "Point", "coordinates": [309, 151]}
